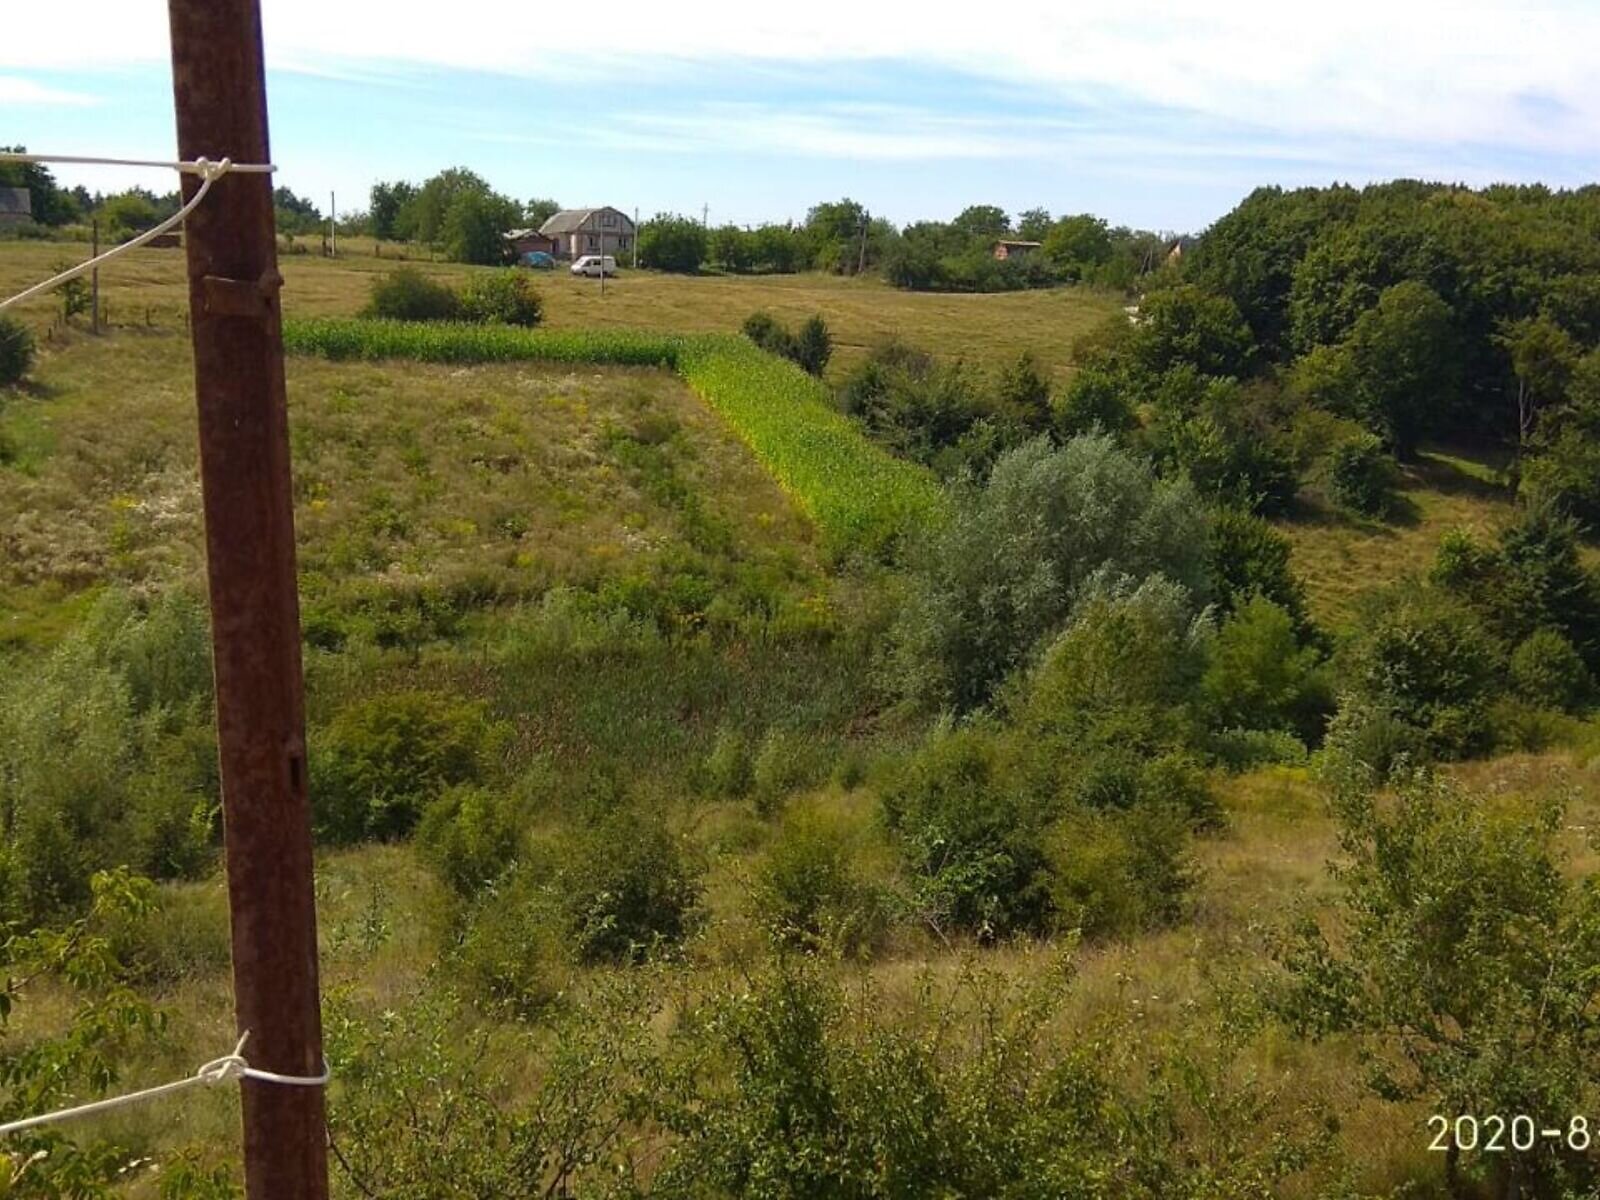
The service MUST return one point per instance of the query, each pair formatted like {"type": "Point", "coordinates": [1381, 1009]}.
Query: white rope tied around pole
{"type": "Point", "coordinates": [218, 1070]}
{"type": "Point", "coordinates": [208, 171]}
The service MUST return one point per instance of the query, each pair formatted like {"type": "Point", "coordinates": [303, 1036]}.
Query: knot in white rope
{"type": "Point", "coordinates": [209, 170]}
{"type": "Point", "coordinates": [229, 1066]}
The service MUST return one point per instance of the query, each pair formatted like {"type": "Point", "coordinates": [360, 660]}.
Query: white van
{"type": "Point", "coordinates": [595, 265]}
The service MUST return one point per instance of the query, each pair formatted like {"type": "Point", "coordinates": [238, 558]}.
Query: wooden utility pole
{"type": "Point", "coordinates": [220, 89]}
{"type": "Point", "coordinates": [333, 224]}
{"type": "Point", "coordinates": [94, 281]}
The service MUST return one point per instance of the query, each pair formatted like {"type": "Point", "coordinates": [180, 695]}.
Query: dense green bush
{"type": "Point", "coordinates": [727, 771]}
{"type": "Point", "coordinates": [107, 755]}
{"type": "Point", "coordinates": [920, 408]}
{"type": "Point", "coordinates": [988, 587]}
{"type": "Point", "coordinates": [809, 349]}
{"type": "Point", "coordinates": [1095, 400]}
{"type": "Point", "coordinates": [785, 762]}
{"type": "Point", "coordinates": [514, 953]}
{"type": "Point", "coordinates": [1420, 661]}
{"type": "Point", "coordinates": [1547, 670]}
{"type": "Point", "coordinates": [16, 350]}
{"type": "Point", "coordinates": [470, 835]}
{"type": "Point", "coordinates": [1533, 578]}
{"type": "Point", "coordinates": [384, 759]}
{"type": "Point", "coordinates": [810, 889]}
{"type": "Point", "coordinates": [813, 345]}
{"type": "Point", "coordinates": [1118, 872]}
{"type": "Point", "coordinates": [1248, 557]}
{"type": "Point", "coordinates": [805, 1087]}
{"type": "Point", "coordinates": [1123, 674]}
{"type": "Point", "coordinates": [971, 837]}
{"type": "Point", "coordinates": [503, 297]}
{"type": "Point", "coordinates": [1360, 476]}
{"type": "Point", "coordinates": [1187, 325]}
{"type": "Point", "coordinates": [627, 888]}
{"type": "Point", "coordinates": [1229, 462]}
{"type": "Point", "coordinates": [406, 294]}
{"type": "Point", "coordinates": [1259, 676]}
{"type": "Point", "coordinates": [1022, 395]}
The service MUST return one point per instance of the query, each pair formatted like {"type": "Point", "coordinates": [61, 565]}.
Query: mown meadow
{"type": "Point", "coordinates": [944, 774]}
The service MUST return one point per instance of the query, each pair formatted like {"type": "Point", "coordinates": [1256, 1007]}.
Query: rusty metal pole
{"type": "Point", "coordinates": [220, 87]}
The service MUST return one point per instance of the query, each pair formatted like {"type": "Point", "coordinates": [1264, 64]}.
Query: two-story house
{"type": "Point", "coordinates": [579, 231]}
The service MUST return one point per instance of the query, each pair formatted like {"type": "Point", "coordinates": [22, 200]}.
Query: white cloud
{"type": "Point", "coordinates": [1483, 71]}
{"type": "Point", "coordinates": [25, 91]}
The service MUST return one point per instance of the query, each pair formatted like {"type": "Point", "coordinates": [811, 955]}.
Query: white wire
{"type": "Point", "coordinates": [218, 1070]}
{"type": "Point", "coordinates": [188, 166]}
{"type": "Point", "coordinates": [208, 171]}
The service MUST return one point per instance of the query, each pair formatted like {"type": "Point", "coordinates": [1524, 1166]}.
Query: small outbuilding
{"type": "Point", "coordinates": [16, 205]}
{"type": "Point", "coordinates": [1010, 248]}
{"type": "Point", "coordinates": [529, 241]}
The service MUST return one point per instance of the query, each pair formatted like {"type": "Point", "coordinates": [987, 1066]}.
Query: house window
{"type": "Point", "coordinates": [609, 220]}
{"type": "Point", "coordinates": [594, 242]}
{"type": "Point", "coordinates": [623, 241]}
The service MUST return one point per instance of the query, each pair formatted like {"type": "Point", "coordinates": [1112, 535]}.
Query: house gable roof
{"type": "Point", "coordinates": [570, 220]}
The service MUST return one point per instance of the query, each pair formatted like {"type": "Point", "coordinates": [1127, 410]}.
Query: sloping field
{"type": "Point", "coordinates": [414, 478]}
{"type": "Point", "coordinates": [861, 497]}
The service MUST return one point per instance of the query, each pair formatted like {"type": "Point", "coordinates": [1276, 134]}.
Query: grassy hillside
{"type": "Point", "coordinates": [633, 857]}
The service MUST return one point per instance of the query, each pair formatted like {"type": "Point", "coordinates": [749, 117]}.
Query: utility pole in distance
{"type": "Point", "coordinates": [220, 91]}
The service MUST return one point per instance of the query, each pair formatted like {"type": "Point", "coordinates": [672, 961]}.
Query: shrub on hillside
{"type": "Point", "coordinates": [627, 887]}
{"type": "Point", "coordinates": [971, 835]}
{"type": "Point", "coordinates": [1460, 953]}
{"type": "Point", "coordinates": [1022, 394]}
{"type": "Point", "coordinates": [785, 762]}
{"type": "Point", "coordinates": [813, 345]}
{"type": "Point", "coordinates": [382, 761]}
{"type": "Point", "coordinates": [1534, 578]}
{"type": "Point", "coordinates": [406, 294]}
{"type": "Point", "coordinates": [919, 407]}
{"type": "Point", "coordinates": [811, 892]}
{"type": "Point", "coordinates": [1095, 400]}
{"type": "Point", "coordinates": [16, 350]}
{"type": "Point", "coordinates": [1004, 572]}
{"type": "Point", "coordinates": [502, 297]}
{"type": "Point", "coordinates": [1420, 659]}
{"type": "Point", "coordinates": [1547, 670]}
{"type": "Point", "coordinates": [1118, 872]}
{"type": "Point", "coordinates": [1188, 325]}
{"type": "Point", "coordinates": [1361, 476]}
{"type": "Point", "coordinates": [1259, 676]}
{"type": "Point", "coordinates": [1248, 557]}
{"type": "Point", "coordinates": [1122, 675]}
{"type": "Point", "coordinates": [470, 835]}
{"type": "Point", "coordinates": [727, 771]}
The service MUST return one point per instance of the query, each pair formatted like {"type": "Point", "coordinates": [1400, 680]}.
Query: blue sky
{"type": "Point", "coordinates": [1156, 115]}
